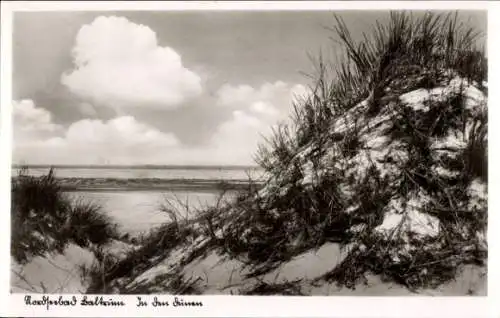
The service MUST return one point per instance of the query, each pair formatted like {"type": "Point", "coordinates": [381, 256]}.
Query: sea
{"type": "Point", "coordinates": [139, 210]}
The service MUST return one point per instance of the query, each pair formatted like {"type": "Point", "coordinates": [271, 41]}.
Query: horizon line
{"type": "Point", "coordinates": [150, 166]}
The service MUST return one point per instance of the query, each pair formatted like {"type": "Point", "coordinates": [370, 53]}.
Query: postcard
{"type": "Point", "coordinates": [247, 159]}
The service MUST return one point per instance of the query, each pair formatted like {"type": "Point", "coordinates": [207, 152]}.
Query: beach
{"type": "Point", "coordinates": [139, 211]}
{"type": "Point", "coordinates": [133, 196]}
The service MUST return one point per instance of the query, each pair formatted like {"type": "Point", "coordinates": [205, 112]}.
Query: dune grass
{"type": "Point", "coordinates": [311, 197]}
{"type": "Point", "coordinates": [153, 247]}
{"type": "Point", "coordinates": [44, 220]}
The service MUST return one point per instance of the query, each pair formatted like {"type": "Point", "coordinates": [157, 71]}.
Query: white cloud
{"type": "Point", "coordinates": [270, 99]}
{"type": "Point", "coordinates": [117, 132]}
{"type": "Point", "coordinates": [121, 140]}
{"type": "Point", "coordinates": [30, 118]}
{"type": "Point", "coordinates": [125, 140]}
{"type": "Point", "coordinates": [255, 111]}
{"type": "Point", "coordinates": [236, 140]}
{"type": "Point", "coordinates": [30, 122]}
{"type": "Point", "coordinates": [241, 132]}
{"type": "Point", "coordinates": [119, 63]}
{"type": "Point", "coordinates": [264, 108]}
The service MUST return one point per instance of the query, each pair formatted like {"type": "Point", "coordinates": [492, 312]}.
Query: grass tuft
{"type": "Point", "coordinates": [44, 220]}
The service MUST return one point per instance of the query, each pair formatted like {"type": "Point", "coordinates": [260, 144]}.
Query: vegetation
{"type": "Point", "coordinates": [320, 188]}
{"type": "Point", "coordinates": [44, 220]}
{"type": "Point", "coordinates": [153, 247]}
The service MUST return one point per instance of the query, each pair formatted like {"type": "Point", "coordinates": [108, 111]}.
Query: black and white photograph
{"type": "Point", "coordinates": [251, 153]}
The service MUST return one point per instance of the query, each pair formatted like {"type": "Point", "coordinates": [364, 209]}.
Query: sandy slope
{"type": "Point", "coordinates": [215, 274]}
{"type": "Point", "coordinates": [59, 273]}
{"type": "Point", "coordinates": [54, 273]}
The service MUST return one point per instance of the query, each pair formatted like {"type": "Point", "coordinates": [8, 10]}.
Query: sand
{"type": "Point", "coordinates": [216, 274]}
{"type": "Point", "coordinates": [52, 274]}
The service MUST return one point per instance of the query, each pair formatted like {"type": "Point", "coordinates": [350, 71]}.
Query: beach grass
{"type": "Point", "coordinates": [44, 220]}
{"type": "Point", "coordinates": [310, 198]}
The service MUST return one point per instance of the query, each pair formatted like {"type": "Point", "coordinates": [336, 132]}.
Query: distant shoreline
{"type": "Point", "coordinates": [152, 184]}
{"type": "Point", "coordinates": [133, 167]}
{"type": "Point", "coordinates": [148, 189]}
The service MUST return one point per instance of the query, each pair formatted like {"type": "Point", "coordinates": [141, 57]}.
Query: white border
{"type": "Point", "coordinates": [241, 306]}
{"type": "Point", "coordinates": [242, 5]}
{"type": "Point", "coordinates": [5, 148]}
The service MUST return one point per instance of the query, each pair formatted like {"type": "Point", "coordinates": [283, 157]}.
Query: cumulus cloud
{"type": "Point", "coordinates": [236, 140]}
{"type": "Point", "coordinates": [116, 132]}
{"type": "Point", "coordinates": [270, 98]}
{"type": "Point", "coordinates": [31, 123]}
{"type": "Point", "coordinates": [121, 140]}
{"type": "Point", "coordinates": [264, 108]}
{"type": "Point", "coordinates": [255, 111]}
{"type": "Point", "coordinates": [125, 140]}
{"type": "Point", "coordinates": [119, 63]}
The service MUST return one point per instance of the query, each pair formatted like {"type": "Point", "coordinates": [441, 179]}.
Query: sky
{"type": "Point", "coordinates": [164, 87]}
